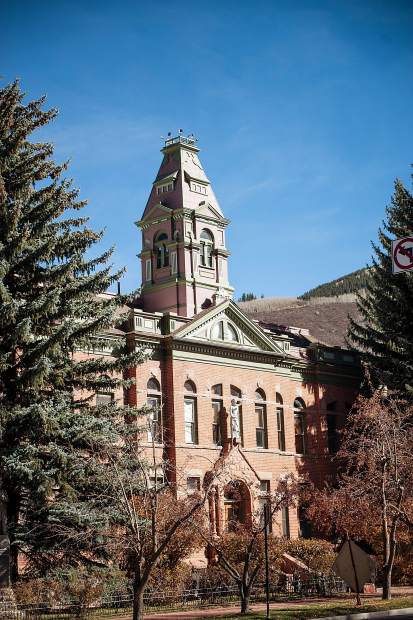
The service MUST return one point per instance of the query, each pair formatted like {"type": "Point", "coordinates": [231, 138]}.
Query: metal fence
{"type": "Point", "coordinates": [164, 600]}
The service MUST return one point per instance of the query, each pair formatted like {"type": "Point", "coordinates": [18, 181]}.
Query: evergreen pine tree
{"type": "Point", "coordinates": [51, 305]}
{"type": "Point", "coordinates": [385, 332]}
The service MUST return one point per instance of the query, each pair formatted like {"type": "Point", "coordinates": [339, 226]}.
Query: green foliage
{"type": "Point", "coordinates": [350, 283]}
{"type": "Point", "coordinates": [317, 554]}
{"type": "Point", "coordinates": [51, 307]}
{"type": "Point", "coordinates": [248, 297]}
{"type": "Point", "coordinates": [385, 332]}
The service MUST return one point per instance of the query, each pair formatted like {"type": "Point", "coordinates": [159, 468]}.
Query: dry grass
{"type": "Point", "coordinates": [326, 318]}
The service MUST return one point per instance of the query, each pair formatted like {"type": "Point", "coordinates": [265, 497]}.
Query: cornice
{"type": "Point", "coordinates": [175, 280]}
{"type": "Point", "coordinates": [303, 370]}
{"type": "Point", "coordinates": [145, 224]}
{"type": "Point", "coordinates": [222, 252]}
{"type": "Point", "coordinates": [203, 217]}
{"type": "Point", "coordinates": [222, 351]}
{"type": "Point", "coordinates": [178, 214]}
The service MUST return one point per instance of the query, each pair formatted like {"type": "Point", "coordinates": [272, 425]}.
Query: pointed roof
{"type": "Point", "coordinates": [181, 167]}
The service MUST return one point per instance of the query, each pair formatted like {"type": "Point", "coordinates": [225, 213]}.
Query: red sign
{"type": "Point", "coordinates": [402, 254]}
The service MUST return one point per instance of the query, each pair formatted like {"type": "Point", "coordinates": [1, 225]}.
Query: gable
{"type": "Point", "coordinates": [157, 211]}
{"type": "Point", "coordinates": [227, 325]}
{"type": "Point", "coordinates": [234, 465]}
{"type": "Point", "coordinates": [207, 210]}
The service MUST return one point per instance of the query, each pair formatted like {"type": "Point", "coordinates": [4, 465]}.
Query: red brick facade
{"type": "Point", "coordinates": [212, 369]}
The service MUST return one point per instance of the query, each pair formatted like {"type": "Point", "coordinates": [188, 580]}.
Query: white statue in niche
{"type": "Point", "coordinates": [235, 425]}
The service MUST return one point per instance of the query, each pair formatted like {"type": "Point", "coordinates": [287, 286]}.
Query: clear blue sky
{"type": "Point", "coordinates": [303, 109]}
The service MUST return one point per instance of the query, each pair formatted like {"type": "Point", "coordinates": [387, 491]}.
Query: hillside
{"type": "Point", "coordinates": [323, 310]}
{"type": "Point", "coordinates": [327, 321]}
{"type": "Point", "coordinates": [351, 283]}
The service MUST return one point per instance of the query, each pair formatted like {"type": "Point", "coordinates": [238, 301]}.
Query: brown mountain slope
{"type": "Point", "coordinates": [327, 322]}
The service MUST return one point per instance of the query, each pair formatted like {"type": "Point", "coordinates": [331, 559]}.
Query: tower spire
{"type": "Point", "coordinates": [184, 258]}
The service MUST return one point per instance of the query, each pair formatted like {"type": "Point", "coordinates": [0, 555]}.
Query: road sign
{"type": "Point", "coordinates": [354, 566]}
{"type": "Point", "coordinates": [402, 254]}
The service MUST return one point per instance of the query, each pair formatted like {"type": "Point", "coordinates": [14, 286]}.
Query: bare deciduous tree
{"type": "Point", "coordinates": [141, 509]}
{"type": "Point", "coordinates": [240, 552]}
{"type": "Point", "coordinates": [375, 490]}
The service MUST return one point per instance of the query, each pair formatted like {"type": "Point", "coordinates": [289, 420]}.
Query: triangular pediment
{"type": "Point", "coordinates": [158, 210]}
{"type": "Point", "coordinates": [208, 210]}
{"type": "Point", "coordinates": [226, 325]}
{"type": "Point", "coordinates": [233, 466]}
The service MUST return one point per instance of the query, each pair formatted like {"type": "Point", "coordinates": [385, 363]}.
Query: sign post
{"type": "Point", "coordinates": [402, 255]}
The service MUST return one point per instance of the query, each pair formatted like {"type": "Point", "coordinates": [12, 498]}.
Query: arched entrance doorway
{"type": "Point", "coordinates": [237, 505]}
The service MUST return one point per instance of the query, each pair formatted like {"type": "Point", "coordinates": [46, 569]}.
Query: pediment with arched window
{"type": "Point", "coordinates": [226, 325]}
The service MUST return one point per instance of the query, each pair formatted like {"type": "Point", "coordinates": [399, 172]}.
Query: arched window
{"type": "Point", "coordinates": [217, 332]}
{"type": "Point", "coordinates": [222, 330]}
{"type": "Point", "coordinates": [189, 386]}
{"type": "Point", "coordinates": [231, 333]}
{"type": "Point", "coordinates": [153, 385]}
{"type": "Point", "coordinates": [161, 249]}
{"type": "Point", "coordinates": [217, 405]}
{"type": "Point", "coordinates": [280, 422]}
{"type": "Point", "coordinates": [299, 426]}
{"type": "Point", "coordinates": [260, 394]}
{"type": "Point", "coordinates": [154, 401]}
{"type": "Point", "coordinates": [236, 415]}
{"type": "Point", "coordinates": [190, 413]}
{"type": "Point", "coordinates": [207, 247]}
{"type": "Point", "coordinates": [261, 419]}
{"type": "Point", "coordinates": [237, 507]}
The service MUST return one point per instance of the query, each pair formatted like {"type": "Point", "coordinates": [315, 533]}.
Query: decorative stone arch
{"type": "Point", "coordinates": [232, 468]}
{"type": "Point", "coordinates": [237, 506]}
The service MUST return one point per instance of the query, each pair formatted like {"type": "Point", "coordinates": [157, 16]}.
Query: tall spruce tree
{"type": "Point", "coordinates": [50, 308]}
{"type": "Point", "coordinates": [385, 332]}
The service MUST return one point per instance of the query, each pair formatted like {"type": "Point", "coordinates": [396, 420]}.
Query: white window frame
{"type": "Point", "coordinates": [165, 187]}
{"type": "Point", "coordinates": [190, 420]}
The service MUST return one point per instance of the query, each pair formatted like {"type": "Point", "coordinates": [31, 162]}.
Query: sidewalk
{"type": "Point", "coordinates": [218, 612]}
{"type": "Point", "coordinates": [374, 615]}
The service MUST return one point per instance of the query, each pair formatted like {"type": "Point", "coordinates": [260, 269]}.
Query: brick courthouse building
{"type": "Point", "coordinates": [267, 399]}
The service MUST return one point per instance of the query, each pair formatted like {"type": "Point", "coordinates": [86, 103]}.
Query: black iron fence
{"type": "Point", "coordinates": [118, 606]}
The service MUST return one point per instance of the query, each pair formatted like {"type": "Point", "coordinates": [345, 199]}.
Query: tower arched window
{"type": "Point", "coordinates": [154, 401]}
{"type": "Point", "coordinates": [261, 419]}
{"type": "Point", "coordinates": [299, 426]}
{"type": "Point", "coordinates": [207, 247]}
{"type": "Point", "coordinates": [161, 250]}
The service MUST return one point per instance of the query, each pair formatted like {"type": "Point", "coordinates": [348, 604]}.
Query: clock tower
{"type": "Point", "coordinates": [184, 257]}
